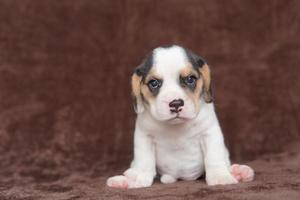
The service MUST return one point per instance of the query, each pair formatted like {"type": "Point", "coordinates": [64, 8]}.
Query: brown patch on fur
{"type": "Point", "coordinates": [146, 93]}
{"type": "Point", "coordinates": [194, 95]}
{"type": "Point", "coordinates": [188, 70]}
{"type": "Point", "coordinates": [205, 71]}
{"type": "Point", "coordinates": [136, 90]}
{"type": "Point", "coordinates": [136, 85]}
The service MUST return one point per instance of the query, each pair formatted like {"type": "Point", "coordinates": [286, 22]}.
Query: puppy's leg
{"type": "Point", "coordinates": [142, 170]}
{"type": "Point", "coordinates": [242, 173]}
{"type": "Point", "coordinates": [216, 157]}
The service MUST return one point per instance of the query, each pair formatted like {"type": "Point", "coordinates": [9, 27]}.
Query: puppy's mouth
{"type": "Point", "coordinates": [177, 119]}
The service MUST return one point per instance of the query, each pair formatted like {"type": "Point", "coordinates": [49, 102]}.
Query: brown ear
{"type": "Point", "coordinates": [205, 72]}
{"type": "Point", "coordinates": [136, 93]}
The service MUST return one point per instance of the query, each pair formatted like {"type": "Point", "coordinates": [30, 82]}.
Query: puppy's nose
{"type": "Point", "coordinates": [176, 104]}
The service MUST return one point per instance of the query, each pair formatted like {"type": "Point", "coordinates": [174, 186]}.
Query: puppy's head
{"type": "Point", "coordinates": [169, 84]}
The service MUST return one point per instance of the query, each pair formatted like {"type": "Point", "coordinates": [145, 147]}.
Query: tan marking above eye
{"type": "Point", "coordinates": [151, 75]}
{"type": "Point", "coordinates": [187, 71]}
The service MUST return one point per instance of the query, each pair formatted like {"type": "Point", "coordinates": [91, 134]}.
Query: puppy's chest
{"type": "Point", "coordinates": [178, 155]}
{"type": "Point", "coordinates": [183, 143]}
{"type": "Point", "coordinates": [177, 145]}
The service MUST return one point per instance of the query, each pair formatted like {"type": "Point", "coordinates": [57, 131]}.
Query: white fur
{"type": "Point", "coordinates": [184, 149]}
{"type": "Point", "coordinates": [168, 63]}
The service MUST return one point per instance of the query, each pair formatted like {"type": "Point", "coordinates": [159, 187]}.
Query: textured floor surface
{"type": "Point", "coordinates": [277, 177]}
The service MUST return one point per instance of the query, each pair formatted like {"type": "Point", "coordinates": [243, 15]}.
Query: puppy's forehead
{"type": "Point", "coordinates": [169, 61]}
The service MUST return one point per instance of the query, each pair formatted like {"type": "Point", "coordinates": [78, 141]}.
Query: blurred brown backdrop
{"type": "Point", "coordinates": [65, 68]}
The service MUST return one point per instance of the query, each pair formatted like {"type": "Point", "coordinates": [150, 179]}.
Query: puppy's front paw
{"type": "Point", "coordinates": [118, 182]}
{"type": "Point", "coordinates": [138, 179]}
{"type": "Point", "coordinates": [242, 173]}
{"type": "Point", "coordinates": [131, 179]}
{"type": "Point", "coordinates": [220, 178]}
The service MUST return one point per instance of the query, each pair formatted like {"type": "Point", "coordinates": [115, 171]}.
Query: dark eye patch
{"type": "Point", "coordinates": [154, 85]}
{"type": "Point", "coordinates": [189, 81]}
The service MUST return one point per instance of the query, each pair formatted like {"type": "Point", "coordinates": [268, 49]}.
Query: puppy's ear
{"type": "Point", "coordinates": [202, 67]}
{"type": "Point", "coordinates": [205, 72]}
{"type": "Point", "coordinates": [136, 82]}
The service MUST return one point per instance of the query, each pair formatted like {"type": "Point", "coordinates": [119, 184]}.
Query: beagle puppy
{"type": "Point", "coordinates": [177, 133]}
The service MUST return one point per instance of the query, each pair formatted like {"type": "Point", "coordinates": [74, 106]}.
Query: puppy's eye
{"type": "Point", "coordinates": [190, 80]}
{"type": "Point", "coordinates": [154, 84]}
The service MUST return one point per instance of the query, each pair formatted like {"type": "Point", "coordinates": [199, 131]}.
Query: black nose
{"type": "Point", "coordinates": [176, 104]}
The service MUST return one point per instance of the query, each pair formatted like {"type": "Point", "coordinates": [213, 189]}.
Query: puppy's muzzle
{"type": "Point", "coordinates": [176, 105]}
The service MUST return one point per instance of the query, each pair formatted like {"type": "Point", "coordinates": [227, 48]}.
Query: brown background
{"type": "Point", "coordinates": [65, 68]}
